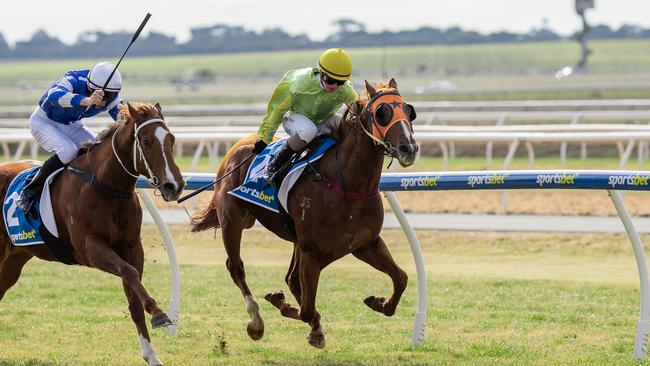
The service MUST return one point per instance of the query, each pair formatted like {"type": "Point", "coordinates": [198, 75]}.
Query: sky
{"type": "Point", "coordinates": [67, 19]}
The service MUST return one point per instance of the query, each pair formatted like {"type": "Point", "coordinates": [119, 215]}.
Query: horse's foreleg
{"type": "Point", "coordinates": [377, 255]}
{"type": "Point", "coordinates": [135, 257]}
{"type": "Point", "coordinates": [10, 270]}
{"type": "Point", "coordinates": [137, 314]}
{"type": "Point", "coordinates": [309, 271]}
{"type": "Point", "coordinates": [231, 232]}
{"type": "Point", "coordinates": [102, 257]}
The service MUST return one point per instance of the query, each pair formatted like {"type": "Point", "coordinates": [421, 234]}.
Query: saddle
{"type": "Point", "coordinates": [299, 156]}
{"type": "Point", "coordinates": [255, 189]}
{"type": "Point", "coordinates": [38, 226]}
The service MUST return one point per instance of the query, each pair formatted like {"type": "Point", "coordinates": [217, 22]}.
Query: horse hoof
{"type": "Point", "coordinates": [160, 321]}
{"type": "Point", "coordinates": [273, 297]}
{"type": "Point", "coordinates": [317, 341]}
{"type": "Point", "coordinates": [375, 303]}
{"type": "Point", "coordinates": [369, 301]}
{"type": "Point", "coordinates": [255, 332]}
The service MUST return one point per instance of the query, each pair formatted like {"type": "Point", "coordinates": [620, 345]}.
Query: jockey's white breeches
{"type": "Point", "coordinates": [64, 140]}
{"type": "Point", "coordinates": [299, 124]}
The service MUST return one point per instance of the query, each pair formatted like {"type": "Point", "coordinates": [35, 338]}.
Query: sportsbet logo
{"type": "Point", "coordinates": [556, 179]}
{"type": "Point", "coordinates": [473, 180]}
{"type": "Point", "coordinates": [419, 182]}
{"type": "Point", "coordinates": [627, 180]}
{"type": "Point", "coordinates": [24, 235]}
{"type": "Point", "coordinates": [257, 194]}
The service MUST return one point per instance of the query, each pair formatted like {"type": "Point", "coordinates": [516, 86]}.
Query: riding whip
{"type": "Point", "coordinates": [186, 197]}
{"type": "Point", "coordinates": [135, 36]}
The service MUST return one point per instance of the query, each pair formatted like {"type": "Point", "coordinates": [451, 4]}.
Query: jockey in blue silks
{"type": "Point", "coordinates": [56, 123]}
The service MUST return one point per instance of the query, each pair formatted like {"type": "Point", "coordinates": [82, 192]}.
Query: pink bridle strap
{"type": "Point", "coordinates": [355, 196]}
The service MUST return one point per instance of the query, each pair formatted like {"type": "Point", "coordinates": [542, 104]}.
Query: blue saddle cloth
{"type": "Point", "coordinates": [257, 190]}
{"type": "Point", "coordinates": [23, 230]}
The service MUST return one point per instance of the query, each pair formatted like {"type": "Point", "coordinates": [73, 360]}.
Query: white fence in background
{"type": "Point", "coordinates": [207, 128]}
{"type": "Point", "coordinates": [211, 138]}
{"type": "Point", "coordinates": [612, 181]}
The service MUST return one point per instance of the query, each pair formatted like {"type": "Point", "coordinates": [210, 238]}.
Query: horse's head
{"type": "Point", "coordinates": [153, 148]}
{"type": "Point", "coordinates": [388, 120]}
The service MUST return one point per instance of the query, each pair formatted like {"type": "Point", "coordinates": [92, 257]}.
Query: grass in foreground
{"type": "Point", "coordinates": [514, 299]}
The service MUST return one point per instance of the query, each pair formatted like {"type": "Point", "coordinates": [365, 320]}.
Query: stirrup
{"type": "Point", "coordinates": [25, 201]}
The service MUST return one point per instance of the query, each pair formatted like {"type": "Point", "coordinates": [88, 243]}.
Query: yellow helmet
{"type": "Point", "coordinates": [336, 63]}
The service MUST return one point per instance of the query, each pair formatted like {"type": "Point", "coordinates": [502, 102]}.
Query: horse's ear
{"type": "Point", "coordinates": [159, 110]}
{"type": "Point", "coordinates": [392, 83]}
{"type": "Point", "coordinates": [371, 90]}
{"type": "Point", "coordinates": [135, 116]}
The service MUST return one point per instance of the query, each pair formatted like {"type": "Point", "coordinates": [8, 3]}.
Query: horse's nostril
{"type": "Point", "coordinates": [168, 187]}
{"type": "Point", "coordinates": [408, 149]}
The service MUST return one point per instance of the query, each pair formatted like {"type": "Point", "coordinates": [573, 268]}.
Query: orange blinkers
{"type": "Point", "coordinates": [386, 109]}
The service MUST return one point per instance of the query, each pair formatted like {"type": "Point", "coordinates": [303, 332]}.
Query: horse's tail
{"type": "Point", "coordinates": [207, 218]}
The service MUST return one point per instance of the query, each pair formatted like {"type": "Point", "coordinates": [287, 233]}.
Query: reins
{"type": "Point", "coordinates": [217, 180]}
{"type": "Point", "coordinates": [95, 182]}
{"type": "Point", "coordinates": [152, 179]}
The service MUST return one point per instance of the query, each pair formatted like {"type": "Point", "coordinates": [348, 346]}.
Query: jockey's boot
{"type": "Point", "coordinates": [277, 163]}
{"type": "Point", "coordinates": [31, 191]}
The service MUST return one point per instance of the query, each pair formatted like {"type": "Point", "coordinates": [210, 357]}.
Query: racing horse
{"type": "Point", "coordinates": [335, 212]}
{"type": "Point", "coordinates": [98, 216]}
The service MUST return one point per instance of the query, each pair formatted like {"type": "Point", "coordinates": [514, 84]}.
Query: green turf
{"type": "Point", "coordinates": [507, 299]}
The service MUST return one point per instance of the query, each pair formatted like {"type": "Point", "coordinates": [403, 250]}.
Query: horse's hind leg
{"type": "Point", "coordinates": [309, 270]}
{"type": "Point", "coordinates": [302, 279]}
{"type": "Point", "coordinates": [10, 270]}
{"type": "Point", "coordinates": [377, 255]}
{"type": "Point", "coordinates": [292, 279]}
{"type": "Point", "coordinates": [232, 224]}
{"type": "Point", "coordinates": [102, 257]}
{"type": "Point", "coordinates": [136, 258]}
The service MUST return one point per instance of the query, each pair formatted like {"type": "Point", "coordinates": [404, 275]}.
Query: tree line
{"type": "Point", "coordinates": [221, 38]}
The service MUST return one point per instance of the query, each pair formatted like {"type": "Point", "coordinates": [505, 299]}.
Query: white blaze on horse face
{"type": "Point", "coordinates": [148, 353]}
{"type": "Point", "coordinates": [407, 130]}
{"type": "Point", "coordinates": [161, 134]}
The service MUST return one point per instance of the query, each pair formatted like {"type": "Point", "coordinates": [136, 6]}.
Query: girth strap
{"type": "Point", "coordinates": [87, 177]}
{"type": "Point", "coordinates": [341, 191]}
{"type": "Point", "coordinates": [355, 196]}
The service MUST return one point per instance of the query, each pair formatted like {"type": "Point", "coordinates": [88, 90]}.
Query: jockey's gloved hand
{"type": "Point", "coordinates": [96, 99]}
{"type": "Point", "coordinates": [259, 146]}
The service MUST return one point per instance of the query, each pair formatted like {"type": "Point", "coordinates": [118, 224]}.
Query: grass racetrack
{"type": "Point", "coordinates": [494, 298]}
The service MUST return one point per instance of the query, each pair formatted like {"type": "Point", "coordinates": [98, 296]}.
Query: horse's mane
{"type": "Point", "coordinates": [125, 116]}
{"type": "Point", "coordinates": [364, 97]}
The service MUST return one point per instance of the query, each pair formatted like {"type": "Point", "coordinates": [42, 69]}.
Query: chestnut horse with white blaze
{"type": "Point", "coordinates": [344, 215]}
{"type": "Point", "coordinates": [97, 214]}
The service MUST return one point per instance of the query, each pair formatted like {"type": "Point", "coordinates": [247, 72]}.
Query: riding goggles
{"type": "Point", "coordinates": [330, 80]}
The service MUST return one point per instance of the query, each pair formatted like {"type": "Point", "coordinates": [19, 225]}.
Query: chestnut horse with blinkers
{"type": "Point", "coordinates": [98, 216]}
{"type": "Point", "coordinates": [344, 213]}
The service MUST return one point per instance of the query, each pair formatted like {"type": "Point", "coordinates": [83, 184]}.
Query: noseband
{"type": "Point", "coordinates": [152, 179]}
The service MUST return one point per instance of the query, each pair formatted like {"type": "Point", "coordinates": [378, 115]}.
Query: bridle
{"type": "Point", "coordinates": [385, 109]}
{"type": "Point", "coordinates": [152, 179]}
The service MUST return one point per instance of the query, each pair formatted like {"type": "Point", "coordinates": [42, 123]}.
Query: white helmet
{"type": "Point", "coordinates": [99, 74]}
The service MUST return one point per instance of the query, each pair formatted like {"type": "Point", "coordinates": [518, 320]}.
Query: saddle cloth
{"type": "Point", "coordinates": [24, 229]}
{"type": "Point", "coordinates": [257, 190]}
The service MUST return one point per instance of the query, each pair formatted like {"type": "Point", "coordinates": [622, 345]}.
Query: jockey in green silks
{"type": "Point", "coordinates": [305, 101]}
